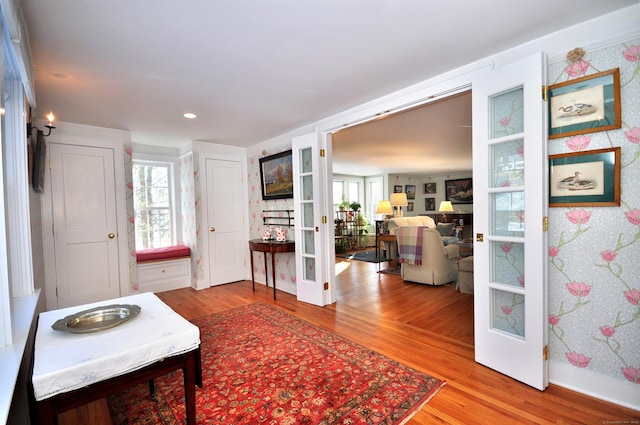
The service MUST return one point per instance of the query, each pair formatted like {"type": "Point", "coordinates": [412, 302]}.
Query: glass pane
{"type": "Point", "coordinates": [310, 269]}
{"type": "Point", "coordinates": [307, 212]}
{"type": "Point", "coordinates": [308, 242]}
{"type": "Point", "coordinates": [305, 160]}
{"type": "Point", "coordinates": [507, 164]}
{"type": "Point", "coordinates": [508, 312]}
{"type": "Point", "coordinates": [506, 111]}
{"type": "Point", "coordinates": [508, 214]}
{"type": "Point", "coordinates": [508, 266]}
{"type": "Point", "coordinates": [307, 188]}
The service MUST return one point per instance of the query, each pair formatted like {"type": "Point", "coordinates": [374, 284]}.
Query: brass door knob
{"type": "Point", "coordinates": [212, 229]}
{"type": "Point", "coordinates": [111, 235]}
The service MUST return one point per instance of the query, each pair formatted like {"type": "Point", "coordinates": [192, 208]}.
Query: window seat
{"type": "Point", "coordinates": [164, 253]}
{"type": "Point", "coordinates": [163, 269]}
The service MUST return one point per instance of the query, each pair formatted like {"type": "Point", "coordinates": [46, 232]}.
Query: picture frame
{"type": "Point", "coordinates": [585, 105]}
{"type": "Point", "coordinates": [397, 188]}
{"type": "Point", "coordinates": [585, 179]}
{"type": "Point", "coordinates": [410, 190]}
{"type": "Point", "coordinates": [459, 191]}
{"type": "Point", "coordinates": [430, 204]}
{"type": "Point", "coordinates": [276, 176]}
{"type": "Point", "coordinates": [409, 206]}
{"type": "Point", "coordinates": [429, 188]}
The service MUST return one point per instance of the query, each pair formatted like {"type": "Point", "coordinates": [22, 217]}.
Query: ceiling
{"type": "Point", "coordinates": [252, 70]}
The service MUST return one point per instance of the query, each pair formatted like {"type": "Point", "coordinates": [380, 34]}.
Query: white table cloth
{"type": "Point", "coordinates": [65, 361]}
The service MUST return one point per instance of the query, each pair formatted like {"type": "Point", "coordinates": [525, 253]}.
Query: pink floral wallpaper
{"type": "Point", "coordinates": [285, 262]}
{"type": "Point", "coordinates": [594, 253]}
{"type": "Point", "coordinates": [190, 211]}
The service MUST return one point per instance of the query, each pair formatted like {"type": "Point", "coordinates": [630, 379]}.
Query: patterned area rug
{"type": "Point", "coordinates": [368, 256]}
{"type": "Point", "coordinates": [262, 365]}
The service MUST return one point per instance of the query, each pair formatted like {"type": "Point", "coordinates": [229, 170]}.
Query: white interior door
{"type": "Point", "coordinates": [84, 221]}
{"type": "Point", "coordinates": [227, 247]}
{"type": "Point", "coordinates": [315, 263]}
{"type": "Point", "coordinates": [510, 204]}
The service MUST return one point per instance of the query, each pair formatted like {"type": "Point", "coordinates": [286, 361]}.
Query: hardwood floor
{"type": "Point", "coordinates": [428, 328]}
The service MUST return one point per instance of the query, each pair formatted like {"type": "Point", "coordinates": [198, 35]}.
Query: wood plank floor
{"type": "Point", "coordinates": [428, 328]}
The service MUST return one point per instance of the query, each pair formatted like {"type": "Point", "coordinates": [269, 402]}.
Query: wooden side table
{"type": "Point", "coordinates": [386, 237]}
{"type": "Point", "coordinates": [272, 247]}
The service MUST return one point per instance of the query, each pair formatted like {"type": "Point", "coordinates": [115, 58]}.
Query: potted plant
{"type": "Point", "coordinates": [355, 206]}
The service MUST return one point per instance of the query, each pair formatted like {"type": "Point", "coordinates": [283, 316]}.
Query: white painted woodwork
{"type": "Point", "coordinates": [227, 246]}
{"type": "Point", "coordinates": [518, 357]}
{"type": "Point", "coordinates": [164, 275]}
{"type": "Point", "coordinates": [84, 224]}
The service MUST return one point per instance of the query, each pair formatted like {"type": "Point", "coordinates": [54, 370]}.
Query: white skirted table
{"type": "Point", "coordinates": [72, 369]}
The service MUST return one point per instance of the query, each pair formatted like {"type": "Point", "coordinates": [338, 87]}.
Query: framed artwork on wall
{"type": "Point", "coordinates": [397, 188]}
{"type": "Point", "coordinates": [409, 206]}
{"type": "Point", "coordinates": [585, 179]}
{"type": "Point", "coordinates": [429, 188]}
{"type": "Point", "coordinates": [585, 105]}
{"type": "Point", "coordinates": [459, 191]}
{"type": "Point", "coordinates": [430, 204]}
{"type": "Point", "coordinates": [276, 176]}
{"type": "Point", "coordinates": [410, 190]}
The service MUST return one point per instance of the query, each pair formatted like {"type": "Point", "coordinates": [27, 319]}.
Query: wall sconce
{"type": "Point", "coordinates": [50, 118]}
{"type": "Point", "coordinates": [445, 207]}
{"type": "Point", "coordinates": [399, 200]}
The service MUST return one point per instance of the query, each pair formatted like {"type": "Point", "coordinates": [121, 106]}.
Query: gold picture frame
{"type": "Point", "coordinates": [585, 105]}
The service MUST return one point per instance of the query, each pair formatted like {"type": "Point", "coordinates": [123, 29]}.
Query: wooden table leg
{"type": "Point", "coordinates": [253, 280]}
{"type": "Point", "coordinates": [273, 272]}
{"type": "Point", "coordinates": [190, 387]}
{"type": "Point", "coordinates": [266, 270]}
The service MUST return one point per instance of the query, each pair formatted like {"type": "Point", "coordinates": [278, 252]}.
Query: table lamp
{"type": "Point", "coordinates": [384, 207]}
{"type": "Point", "coordinates": [445, 207]}
{"type": "Point", "coordinates": [399, 200]}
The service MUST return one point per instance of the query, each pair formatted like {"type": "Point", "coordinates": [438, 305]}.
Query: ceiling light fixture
{"type": "Point", "coordinates": [190, 115]}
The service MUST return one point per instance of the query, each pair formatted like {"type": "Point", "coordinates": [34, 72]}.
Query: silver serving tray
{"type": "Point", "coordinates": [97, 319]}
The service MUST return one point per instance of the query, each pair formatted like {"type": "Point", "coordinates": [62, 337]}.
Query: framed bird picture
{"type": "Point", "coordinates": [585, 179]}
{"type": "Point", "coordinates": [585, 105]}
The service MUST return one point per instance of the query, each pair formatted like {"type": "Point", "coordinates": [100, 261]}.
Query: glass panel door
{"type": "Point", "coordinates": [510, 192]}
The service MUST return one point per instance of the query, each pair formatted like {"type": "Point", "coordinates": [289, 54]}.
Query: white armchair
{"type": "Point", "coordinates": [439, 263]}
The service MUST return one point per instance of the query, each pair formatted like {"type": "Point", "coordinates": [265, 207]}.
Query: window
{"type": "Point", "coordinates": [153, 204]}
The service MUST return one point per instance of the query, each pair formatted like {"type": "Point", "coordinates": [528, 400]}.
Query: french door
{"type": "Point", "coordinates": [510, 204]}
{"type": "Point", "coordinates": [315, 264]}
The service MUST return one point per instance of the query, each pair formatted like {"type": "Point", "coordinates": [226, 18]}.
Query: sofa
{"type": "Point", "coordinates": [438, 264]}
{"type": "Point", "coordinates": [446, 230]}
{"type": "Point", "coordinates": [465, 283]}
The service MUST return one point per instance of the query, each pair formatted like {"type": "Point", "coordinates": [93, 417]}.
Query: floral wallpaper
{"type": "Point", "coordinates": [190, 211]}
{"type": "Point", "coordinates": [131, 218]}
{"type": "Point", "coordinates": [285, 262]}
{"type": "Point", "coordinates": [594, 289]}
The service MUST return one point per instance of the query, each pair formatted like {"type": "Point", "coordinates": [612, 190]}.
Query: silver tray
{"type": "Point", "coordinates": [97, 319]}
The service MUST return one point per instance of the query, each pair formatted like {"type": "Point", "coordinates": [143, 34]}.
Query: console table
{"type": "Point", "coordinates": [391, 239]}
{"type": "Point", "coordinates": [272, 247]}
{"type": "Point", "coordinates": [74, 369]}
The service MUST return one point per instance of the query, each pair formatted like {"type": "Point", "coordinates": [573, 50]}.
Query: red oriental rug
{"type": "Point", "coordinates": [262, 365]}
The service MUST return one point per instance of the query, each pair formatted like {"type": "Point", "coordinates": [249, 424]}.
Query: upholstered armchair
{"type": "Point", "coordinates": [438, 263]}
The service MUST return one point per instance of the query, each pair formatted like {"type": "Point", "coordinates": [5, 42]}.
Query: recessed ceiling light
{"type": "Point", "coordinates": [190, 115]}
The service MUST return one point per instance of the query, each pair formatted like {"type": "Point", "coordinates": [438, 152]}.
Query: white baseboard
{"type": "Point", "coordinates": [594, 385]}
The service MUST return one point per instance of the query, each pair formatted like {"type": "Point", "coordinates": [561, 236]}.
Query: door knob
{"type": "Point", "coordinates": [111, 235]}
{"type": "Point", "coordinates": [212, 229]}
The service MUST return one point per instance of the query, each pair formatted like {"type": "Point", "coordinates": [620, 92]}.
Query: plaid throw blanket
{"type": "Point", "coordinates": [409, 240]}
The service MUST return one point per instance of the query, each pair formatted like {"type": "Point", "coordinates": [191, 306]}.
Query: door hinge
{"type": "Point", "coordinates": [56, 292]}
{"type": "Point", "coordinates": [326, 286]}
{"type": "Point", "coordinates": [323, 153]}
{"type": "Point", "coordinates": [545, 352]}
{"type": "Point", "coordinates": [324, 219]}
{"type": "Point", "coordinates": [545, 224]}
{"type": "Point", "coordinates": [545, 93]}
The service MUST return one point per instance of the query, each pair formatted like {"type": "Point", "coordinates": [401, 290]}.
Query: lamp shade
{"type": "Point", "coordinates": [400, 200]}
{"type": "Point", "coordinates": [384, 207]}
{"type": "Point", "coordinates": [445, 206]}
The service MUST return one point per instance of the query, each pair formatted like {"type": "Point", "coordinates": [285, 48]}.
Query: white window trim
{"type": "Point", "coordinates": [174, 184]}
